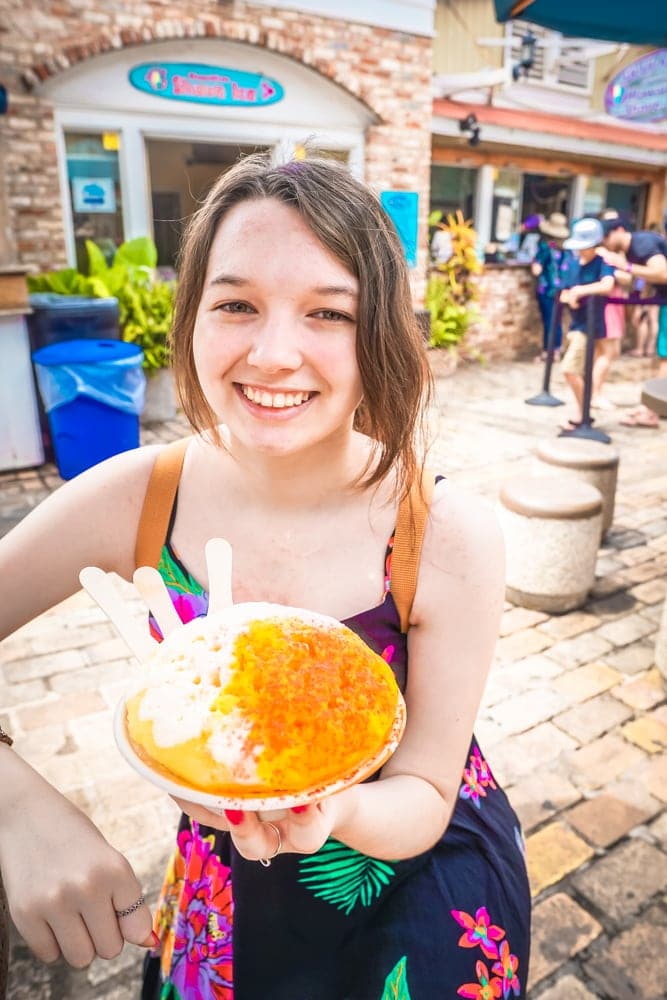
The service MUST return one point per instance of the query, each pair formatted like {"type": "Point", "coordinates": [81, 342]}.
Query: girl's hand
{"type": "Point", "coordinates": [64, 882]}
{"type": "Point", "coordinates": [303, 830]}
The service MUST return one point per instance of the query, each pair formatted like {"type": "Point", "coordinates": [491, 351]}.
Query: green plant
{"type": "Point", "coordinates": [451, 291]}
{"type": "Point", "coordinates": [145, 302]}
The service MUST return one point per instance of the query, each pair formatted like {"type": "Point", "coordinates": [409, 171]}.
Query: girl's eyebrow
{"type": "Point", "coordinates": [237, 281]}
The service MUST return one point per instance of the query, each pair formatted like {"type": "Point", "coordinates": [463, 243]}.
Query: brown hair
{"type": "Point", "coordinates": [350, 222]}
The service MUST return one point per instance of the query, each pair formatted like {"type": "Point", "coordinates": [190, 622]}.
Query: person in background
{"type": "Point", "coordinates": [587, 275]}
{"type": "Point", "coordinates": [608, 349]}
{"type": "Point", "coordinates": [642, 255]}
{"type": "Point", "coordinates": [550, 266]}
{"type": "Point", "coordinates": [644, 321]}
{"type": "Point", "coordinates": [530, 238]}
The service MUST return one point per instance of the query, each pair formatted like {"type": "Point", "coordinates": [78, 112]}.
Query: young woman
{"type": "Point", "coordinates": [294, 327]}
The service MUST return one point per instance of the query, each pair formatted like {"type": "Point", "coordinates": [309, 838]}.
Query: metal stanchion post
{"type": "Point", "coordinates": [545, 398]}
{"type": "Point", "coordinates": [585, 428]}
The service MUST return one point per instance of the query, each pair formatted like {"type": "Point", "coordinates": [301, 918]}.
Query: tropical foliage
{"type": "Point", "coordinates": [396, 983]}
{"type": "Point", "coordinates": [451, 291]}
{"type": "Point", "coordinates": [344, 877]}
{"type": "Point", "coordinates": [145, 302]}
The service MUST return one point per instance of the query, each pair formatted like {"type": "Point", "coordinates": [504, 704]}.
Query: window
{"type": "Point", "coordinates": [94, 185]}
{"type": "Point", "coordinates": [629, 200]}
{"type": "Point", "coordinates": [505, 219]}
{"type": "Point", "coordinates": [453, 188]}
{"type": "Point", "coordinates": [559, 61]}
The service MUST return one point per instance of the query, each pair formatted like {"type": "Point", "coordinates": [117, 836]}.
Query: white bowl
{"type": "Point", "coordinates": [270, 807]}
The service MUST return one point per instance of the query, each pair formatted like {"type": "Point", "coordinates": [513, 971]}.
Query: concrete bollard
{"type": "Point", "coordinates": [589, 461]}
{"type": "Point", "coordinates": [552, 532]}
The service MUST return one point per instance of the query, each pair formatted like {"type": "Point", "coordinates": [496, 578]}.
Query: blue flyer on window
{"type": "Point", "coordinates": [402, 208]}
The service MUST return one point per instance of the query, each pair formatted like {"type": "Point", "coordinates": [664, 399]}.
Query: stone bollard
{"type": "Point", "coordinates": [589, 461]}
{"type": "Point", "coordinates": [661, 643]}
{"type": "Point", "coordinates": [552, 533]}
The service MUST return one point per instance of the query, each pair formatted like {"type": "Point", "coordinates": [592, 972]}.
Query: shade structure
{"type": "Point", "coordinates": [641, 22]}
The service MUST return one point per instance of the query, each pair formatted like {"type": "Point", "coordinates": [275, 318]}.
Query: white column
{"type": "Point", "coordinates": [578, 196]}
{"type": "Point", "coordinates": [484, 203]}
{"type": "Point", "coordinates": [135, 184]}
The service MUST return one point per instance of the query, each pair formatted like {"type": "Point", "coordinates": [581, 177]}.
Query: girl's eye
{"type": "Point", "coordinates": [234, 307]}
{"type": "Point", "coordinates": [332, 316]}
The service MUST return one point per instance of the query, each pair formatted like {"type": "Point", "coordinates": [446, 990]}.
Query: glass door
{"type": "Point", "coordinates": [95, 192]}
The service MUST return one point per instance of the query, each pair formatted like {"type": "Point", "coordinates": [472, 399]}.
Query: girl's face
{"type": "Point", "coordinates": [275, 333]}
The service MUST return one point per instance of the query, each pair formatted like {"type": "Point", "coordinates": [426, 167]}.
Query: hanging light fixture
{"type": "Point", "coordinates": [526, 56]}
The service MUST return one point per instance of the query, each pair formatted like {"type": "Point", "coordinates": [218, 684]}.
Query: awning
{"type": "Point", "coordinates": [639, 22]}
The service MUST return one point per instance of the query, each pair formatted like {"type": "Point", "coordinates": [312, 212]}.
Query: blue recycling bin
{"type": "Point", "coordinates": [93, 392]}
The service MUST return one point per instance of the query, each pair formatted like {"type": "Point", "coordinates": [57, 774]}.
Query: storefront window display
{"type": "Point", "coordinates": [94, 186]}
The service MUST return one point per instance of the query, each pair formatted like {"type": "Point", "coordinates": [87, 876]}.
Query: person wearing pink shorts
{"type": "Point", "coordinates": [608, 348]}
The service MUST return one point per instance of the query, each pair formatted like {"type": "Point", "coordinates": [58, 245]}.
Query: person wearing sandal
{"type": "Point", "coordinates": [588, 275]}
{"type": "Point", "coordinates": [642, 255]}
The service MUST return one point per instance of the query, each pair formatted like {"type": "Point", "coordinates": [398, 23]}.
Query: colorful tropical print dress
{"type": "Point", "coordinates": [338, 925]}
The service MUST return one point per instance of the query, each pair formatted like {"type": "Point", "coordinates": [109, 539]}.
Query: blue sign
{"type": "Point", "coordinates": [402, 207]}
{"type": "Point", "coordinates": [205, 84]}
{"type": "Point", "coordinates": [639, 92]}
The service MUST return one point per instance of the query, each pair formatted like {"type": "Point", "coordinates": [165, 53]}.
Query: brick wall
{"type": "Point", "coordinates": [388, 70]}
{"type": "Point", "coordinates": [510, 325]}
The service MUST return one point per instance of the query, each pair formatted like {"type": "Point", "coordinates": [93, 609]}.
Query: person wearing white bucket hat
{"type": "Point", "coordinates": [587, 276]}
{"type": "Point", "coordinates": [550, 267]}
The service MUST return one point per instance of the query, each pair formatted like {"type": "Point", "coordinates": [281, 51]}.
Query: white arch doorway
{"type": "Point", "coordinates": [133, 163]}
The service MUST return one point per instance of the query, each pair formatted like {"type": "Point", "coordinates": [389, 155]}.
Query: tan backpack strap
{"type": "Point", "coordinates": [408, 538]}
{"type": "Point", "coordinates": [158, 503]}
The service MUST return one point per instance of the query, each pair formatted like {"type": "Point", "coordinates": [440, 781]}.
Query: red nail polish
{"type": "Point", "coordinates": [235, 816]}
{"type": "Point", "coordinates": [299, 809]}
{"type": "Point", "coordinates": [155, 940]}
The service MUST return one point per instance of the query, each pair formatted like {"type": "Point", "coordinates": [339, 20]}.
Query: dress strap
{"type": "Point", "coordinates": [408, 538]}
{"type": "Point", "coordinates": [158, 503]}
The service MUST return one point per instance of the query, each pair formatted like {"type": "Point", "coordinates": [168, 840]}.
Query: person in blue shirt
{"type": "Point", "coordinates": [587, 275]}
{"type": "Point", "coordinates": [550, 266]}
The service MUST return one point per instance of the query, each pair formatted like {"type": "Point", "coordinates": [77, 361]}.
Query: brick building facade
{"type": "Point", "coordinates": [64, 66]}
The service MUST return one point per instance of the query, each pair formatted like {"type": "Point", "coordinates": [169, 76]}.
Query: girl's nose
{"type": "Point", "coordinates": [275, 347]}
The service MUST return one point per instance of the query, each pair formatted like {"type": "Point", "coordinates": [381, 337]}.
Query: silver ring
{"type": "Point", "coordinates": [267, 861]}
{"type": "Point", "coordinates": [131, 909]}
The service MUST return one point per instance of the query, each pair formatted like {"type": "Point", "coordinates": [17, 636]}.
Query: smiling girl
{"type": "Point", "coordinates": [304, 376]}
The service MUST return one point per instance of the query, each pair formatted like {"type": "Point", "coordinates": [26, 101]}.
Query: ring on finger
{"type": "Point", "coordinates": [131, 909]}
{"type": "Point", "coordinates": [267, 861]}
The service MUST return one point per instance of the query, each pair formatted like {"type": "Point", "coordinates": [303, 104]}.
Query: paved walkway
{"type": "Point", "coordinates": [574, 718]}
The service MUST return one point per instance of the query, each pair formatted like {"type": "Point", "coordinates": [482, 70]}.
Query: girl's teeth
{"type": "Point", "coordinates": [277, 401]}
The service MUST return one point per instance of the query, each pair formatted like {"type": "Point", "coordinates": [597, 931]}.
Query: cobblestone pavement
{"type": "Point", "coordinates": [574, 719]}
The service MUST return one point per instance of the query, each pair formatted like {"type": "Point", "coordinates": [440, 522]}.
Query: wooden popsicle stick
{"type": "Point", "coordinates": [151, 586]}
{"type": "Point", "coordinates": [219, 564]}
{"type": "Point", "coordinates": [98, 584]}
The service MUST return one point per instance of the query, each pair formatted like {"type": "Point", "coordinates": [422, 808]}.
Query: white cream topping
{"type": "Point", "coordinates": [191, 669]}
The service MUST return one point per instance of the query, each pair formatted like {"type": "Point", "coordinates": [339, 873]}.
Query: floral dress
{"type": "Point", "coordinates": [338, 925]}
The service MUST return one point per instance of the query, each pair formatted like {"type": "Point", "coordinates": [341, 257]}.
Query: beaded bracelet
{"type": "Point", "coordinates": [5, 737]}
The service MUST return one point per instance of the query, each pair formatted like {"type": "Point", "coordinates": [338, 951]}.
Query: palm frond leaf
{"type": "Point", "coordinates": [344, 877]}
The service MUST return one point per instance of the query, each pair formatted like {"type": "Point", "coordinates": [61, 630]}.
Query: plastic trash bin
{"type": "Point", "coordinates": [56, 318]}
{"type": "Point", "coordinates": [93, 393]}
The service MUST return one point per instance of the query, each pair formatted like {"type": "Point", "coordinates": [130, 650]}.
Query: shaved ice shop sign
{"type": "Point", "coordinates": [639, 92]}
{"type": "Point", "coordinates": [205, 84]}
